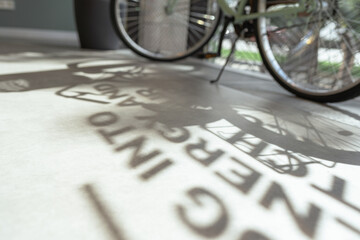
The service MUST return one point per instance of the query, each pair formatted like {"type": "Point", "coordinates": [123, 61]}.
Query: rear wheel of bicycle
{"type": "Point", "coordinates": [160, 30]}
{"type": "Point", "coordinates": [314, 55]}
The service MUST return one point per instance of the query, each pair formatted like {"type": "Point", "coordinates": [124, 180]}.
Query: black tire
{"type": "Point", "coordinates": [315, 56]}
{"type": "Point", "coordinates": [152, 32]}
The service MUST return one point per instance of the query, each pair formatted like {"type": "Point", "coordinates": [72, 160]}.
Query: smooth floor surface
{"type": "Point", "coordinates": [107, 145]}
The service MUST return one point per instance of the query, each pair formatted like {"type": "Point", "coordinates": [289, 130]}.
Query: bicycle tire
{"type": "Point", "coordinates": [314, 56]}
{"type": "Point", "coordinates": [154, 33]}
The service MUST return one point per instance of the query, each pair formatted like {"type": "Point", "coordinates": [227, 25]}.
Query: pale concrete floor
{"type": "Point", "coordinates": [106, 145]}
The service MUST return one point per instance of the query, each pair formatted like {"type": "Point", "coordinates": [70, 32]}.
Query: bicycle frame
{"type": "Point", "coordinates": [240, 17]}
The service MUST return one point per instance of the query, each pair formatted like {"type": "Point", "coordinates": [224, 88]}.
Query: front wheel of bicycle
{"type": "Point", "coordinates": [165, 30]}
{"type": "Point", "coordinates": [315, 54]}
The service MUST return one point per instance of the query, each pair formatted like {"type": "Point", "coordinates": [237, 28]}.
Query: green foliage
{"type": "Point", "coordinates": [243, 55]}
{"type": "Point", "coordinates": [324, 66]}
{"type": "Point", "coordinates": [350, 11]}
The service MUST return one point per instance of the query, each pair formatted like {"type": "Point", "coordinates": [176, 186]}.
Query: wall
{"type": "Point", "coordinates": [40, 14]}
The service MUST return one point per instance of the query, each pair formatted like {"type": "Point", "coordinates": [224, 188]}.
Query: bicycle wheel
{"type": "Point", "coordinates": [161, 30]}
{"type": "Point", "coordinates": [314, 55]}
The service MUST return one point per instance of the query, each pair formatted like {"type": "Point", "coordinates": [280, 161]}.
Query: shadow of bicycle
{"type": "Point", "coordinates": [278, 130]}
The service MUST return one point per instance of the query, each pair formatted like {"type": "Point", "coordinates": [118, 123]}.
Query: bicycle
{"type": "Point", "coordinates": [310, 47]}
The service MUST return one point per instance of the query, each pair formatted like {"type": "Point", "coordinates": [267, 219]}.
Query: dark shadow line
{"type": "Point", "coordinates": [355, 208]}
{"type": "Point", "coordinates": [348, 226]}
{"type": "Point", "coordinates": [345, 112]}
{"type": "Point", "coordinates": [103, 212]}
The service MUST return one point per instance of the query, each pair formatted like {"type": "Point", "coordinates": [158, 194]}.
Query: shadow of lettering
{"type": "Point", "coordinates": [216, 226]}
{"type": "Point", "coordinates": [187, 102]}
{"type": "Point", "coordinates": [253, 235]}
{"type": "Point", "coordinates": [337, 191]}
{"type": "Point", "coordinates": [136, 145]}
{"type": "Point", "coordinates": [307, 223]}
{"type": "Point", "coordinates": [103, 212]}
{"type": "Point", "coordinates": [348, 226]}
{"type": "Point", "coordinates": [247, 180]}
{"type": "Point", "coordinates": [199, 152]}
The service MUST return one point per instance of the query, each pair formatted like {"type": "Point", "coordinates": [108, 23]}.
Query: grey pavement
{"type": "Point", "coordinates": [108, 145]}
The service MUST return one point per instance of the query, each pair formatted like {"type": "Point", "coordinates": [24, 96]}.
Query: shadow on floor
{"type": "Point", "coordinates": [177, 96]}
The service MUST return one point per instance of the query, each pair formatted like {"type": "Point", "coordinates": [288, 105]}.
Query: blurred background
{"type": "Point", "coordinates": [58, 21]}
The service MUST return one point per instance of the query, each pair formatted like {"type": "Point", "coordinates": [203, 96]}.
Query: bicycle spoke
{"type": "Point", "coordinates": [317, 55]}
{"type": "Point", "coordinates": [149, 30]}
